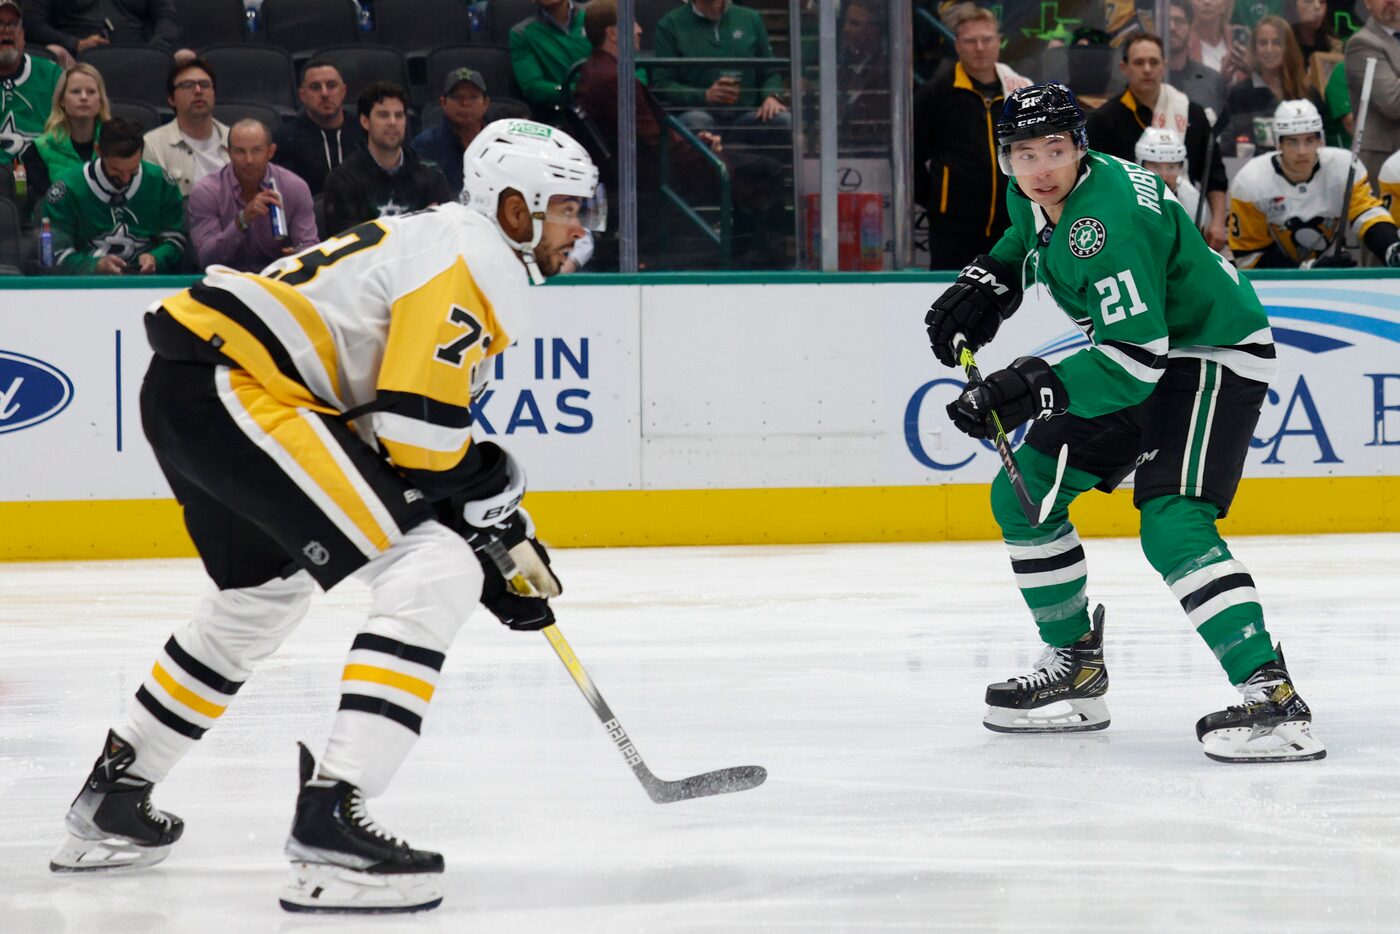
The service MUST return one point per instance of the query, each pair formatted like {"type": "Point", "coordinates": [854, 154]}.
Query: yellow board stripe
{"type": "Point", "coordinates": [184, 695]}
{"type": "Point", "coordinates": [394, 679]}
{"type": "Point", "coordinates": [291, 432]}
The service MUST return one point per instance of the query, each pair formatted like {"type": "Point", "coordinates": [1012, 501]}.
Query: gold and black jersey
{"type": "Point", "coordinates": [390, 322]}
{"type": "Point", "coordinates": [1390, 186]}
{"type": "Point", "coordinates": [1301, 218]}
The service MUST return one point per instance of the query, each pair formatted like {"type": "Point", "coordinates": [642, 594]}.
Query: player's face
{"type": "Point", "coordinates": [563, 227]}
{"type": "Point", "coordinates": [81, 98]}
{"type": "Point", "coordinates": [386, 123]}
{"type": "Point", "coordinates": [465, 107]}
{"type": "Point", "coordinates": [1045, 167]}
{"type": "Point", "coordinates": [1168, 172]}
{"type": "Point", "coordinates": [1268, 47]}
{"type": "Point", "coordinates": [1299, 154]}
{"type": "Point", "coordinates": [978, 46]}
{"type": "Point", "coordinates": [1144, 70]}
{"type": "Point", "coordinates": [11, 38]}
{"type": "Point", "coordinates": [1310, 12]}
{"type": "Point", "coordinates": [121, 170]}
{"type": "Point", "coordinates": [322, 92]}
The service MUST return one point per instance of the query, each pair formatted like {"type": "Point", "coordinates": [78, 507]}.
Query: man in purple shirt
{"type": "Point", "coordinates": [231, 211]}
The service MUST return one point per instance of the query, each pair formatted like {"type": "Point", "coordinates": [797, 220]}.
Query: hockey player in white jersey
{"type": "Point", "coordinates": [314, 421]}
{"type": "Point", "coordinates": [1284, 206]}
{"type": "Point", "coordinates": [1163, 153]}
{"type": "Point", "coordinates": [1390, 186]}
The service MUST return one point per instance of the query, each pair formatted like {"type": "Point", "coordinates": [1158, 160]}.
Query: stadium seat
{"type": "Point", "coordinates": [138, 112]}
{"type": "Point", "coordinates": [417, 26]}
{"type": "Point", "coordinates": [254, 73]}
{"type": "Point", "coordinates": [230, 112]}
{"type": "Point", "coordinates": [210, 22]}
{"type": "Point", "coordinates": [132, 72]}
{"type": "Point", "coordinates": [11, 251]}
{"type": "Point", "coordinates": [492, 62]}
{"type": "Point", "coordinates": [502, 15]}
{"type": "Point", "coordinates": [362, 65]}
{"type": "Point", "coordinates": [303, 25]}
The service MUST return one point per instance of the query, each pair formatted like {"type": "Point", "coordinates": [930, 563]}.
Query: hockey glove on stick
{"type": "Point", "coordinates": [1027, 389]}
{"type": "Point", "coordinates": [983, 295]}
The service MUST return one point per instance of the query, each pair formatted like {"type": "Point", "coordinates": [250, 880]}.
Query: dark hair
{"type": "Point", "coordinates": [120, 138]}
{"type": "Point", "coordinates": [318, 63]}
{"type": "Point", "coordinates": [600, 15]}
{"type": "Point", "coordinates": [180, 68]}
{"type": "Point", "coordinates": [380, 91]}
{"type": "Point", "coordinates": [1143, 36]}
{"type": "Point", "coordinates": [1185, 6]}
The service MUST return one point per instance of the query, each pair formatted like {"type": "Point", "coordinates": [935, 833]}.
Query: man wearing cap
{"type": "Point", "coordinates": [26, 97]}
{"type": "Point", "coordinates": [464, 102]}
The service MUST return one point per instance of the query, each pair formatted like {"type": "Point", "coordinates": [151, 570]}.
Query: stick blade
{"type": "Point", "coordinates": [720, 782]}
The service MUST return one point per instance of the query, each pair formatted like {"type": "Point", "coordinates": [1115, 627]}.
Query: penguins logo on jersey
{"type": "Point", "coordinates": [1086, 237]}
{"type": "Point", "coordinates": [1312, 235]}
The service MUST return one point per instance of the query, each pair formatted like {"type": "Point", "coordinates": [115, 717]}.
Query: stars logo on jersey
{"type": "Point", "coordinates": [12, 141]}
{"type": "Point", "coordinates": [56, 192]}
{"type": "Point", "coordinates": [119, 242]}
{"type": "Point", "coordinates": [391, 208]}
{"type": "Point", "coordinates": [1086, 237]}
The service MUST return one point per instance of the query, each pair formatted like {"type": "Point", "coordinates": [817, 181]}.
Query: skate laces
{"type": "Point", "coordinates": [160, 817]}
{"type": "Point", "coordinates": [1053, 663]}
{"type": "Point", "coordinates": [1259, 689]}
{"type": "Point", "coordinates": [359, 815]}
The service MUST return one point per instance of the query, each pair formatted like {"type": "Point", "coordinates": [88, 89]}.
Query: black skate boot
{"type": "Point", "coordinates": [1274, 724]}
{"type": "Point", "coordinates": [342, 861]}
{"type": "Point", "coordinates": [111, 824]}
{"type": "Point", "coordinates": [1073, 676]}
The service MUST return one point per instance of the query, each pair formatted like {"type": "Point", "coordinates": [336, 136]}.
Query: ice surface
{"type": "Point", "coordinates": [853, 673]}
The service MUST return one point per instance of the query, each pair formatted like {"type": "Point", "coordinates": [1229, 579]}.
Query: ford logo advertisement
{"type": "Point", "coordinates": [31, 391]}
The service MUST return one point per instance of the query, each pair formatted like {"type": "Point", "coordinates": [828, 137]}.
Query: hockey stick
{"type": "Point", "coordinates": [722, 781]}
{"type": "Point", "coordinates": [1344, 222]}
{"type": "Point", "coordinates": [1036, 513]}
{"type": "Point", "coordinates": [1205, 176]}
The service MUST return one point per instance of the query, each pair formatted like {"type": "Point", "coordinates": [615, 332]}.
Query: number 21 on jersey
{"type": "Point", "coordinates": [1111, 304]}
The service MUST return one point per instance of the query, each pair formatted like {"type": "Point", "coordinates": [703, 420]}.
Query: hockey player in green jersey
{"type": "Point", "coordinates": [117, 213]}
{"type": "Point", "coordinates": [1179, 359]}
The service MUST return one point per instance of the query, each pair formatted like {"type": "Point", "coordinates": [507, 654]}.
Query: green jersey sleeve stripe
{"type": "Point", "coordinates": [1143, 371]}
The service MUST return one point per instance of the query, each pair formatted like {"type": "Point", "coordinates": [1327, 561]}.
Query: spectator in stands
{"type": "Point", "coordinates": [80, 107]}
{"type": "Point", "coordinates": [464, 101]}
{"type": "Point", "coordinates": [230, 211]}
{"type": "Point", "coordinates": [70, 27]}
{"type": "Point", "coordinates": [863, 83]}
{"type": "Point", "coordinates": [956, 177]}
{"type": "Point", "coordinates": [1312, 28]}
{"type": "Point", "coordinates": [194, 144]}
{"type": "Point", "coordinates": [1198, 82]}
{"type": "Point", "coordinates": [1379, 39]}
{"type": "Point", "coordinates": [1275, 75]}
{"type": "Point", "coordinates": [1116, 126]}
{"type": "Point", "coordinates": [320, 138]}
{"type": "Point", "coordinates": [543, 48]}
{"type": "Point", "coordinates": [26, 97]}
{"type": "Point", "coordinates": [1212, 42]}
{"type": "Point", "coordinates": [719, 95]}
{"type": "Point", "coordinates": [385, 178]}
{"type": "Point", "coordinates": [757, 180]}
{"type": "Point", "coordinates": [1336, 114]}
{"type": "Point", "coordinates": [116, 214]}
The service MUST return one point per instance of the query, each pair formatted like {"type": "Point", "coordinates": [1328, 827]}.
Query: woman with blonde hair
{"type": "Point", "coordinates": [80, 107]}
{"type": "Point", "coordinates": [1275, 74]}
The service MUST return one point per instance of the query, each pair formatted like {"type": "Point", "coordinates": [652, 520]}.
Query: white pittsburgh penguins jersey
{"type": "Point", "coordinates": [1390, 186]}
{"type": "Point", "coordinates": [1266, 208]}
{"type": "Point", "coordinates": [388, 321]}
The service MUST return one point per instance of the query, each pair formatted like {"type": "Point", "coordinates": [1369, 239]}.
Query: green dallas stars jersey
{"type": "Point", "coordinates": [92, 219]}
{"type": "Point", "coordinates": [25, 102]}
{"type": "Point", "coordinates": [1130, 269]}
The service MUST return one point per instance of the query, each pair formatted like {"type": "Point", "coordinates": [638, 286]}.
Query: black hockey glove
{"type": "Point", "coordinates": [1027, 389]}
{"type": "Point", "coordinates": [521, 612]}
{"type": "Point", "coordinates": [984, 294]}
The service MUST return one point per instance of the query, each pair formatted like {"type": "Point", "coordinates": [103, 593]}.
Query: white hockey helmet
{"type": "Point", "coordinates": [1293, 118]}
{"type": "Point", "coordinates": [1158, 144]}
{"type": "Point", "coordinates": [536, 160]}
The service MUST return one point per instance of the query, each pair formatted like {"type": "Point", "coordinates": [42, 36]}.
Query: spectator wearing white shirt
{"type": "Point", "coordinates": [194, 144]}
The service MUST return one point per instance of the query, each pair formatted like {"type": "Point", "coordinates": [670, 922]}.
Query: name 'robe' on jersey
{"type": "Point", "coordinates": [1266, 208]}
{"type": "Point", "coordinates": [350, 325]}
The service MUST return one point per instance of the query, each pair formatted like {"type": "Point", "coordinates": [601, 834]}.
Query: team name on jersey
{"type": "Point", "coordinates": [1144, 183]}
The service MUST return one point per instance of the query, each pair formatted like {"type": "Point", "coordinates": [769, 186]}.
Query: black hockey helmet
{"type": "Point", "coordinates": [1039, 110]}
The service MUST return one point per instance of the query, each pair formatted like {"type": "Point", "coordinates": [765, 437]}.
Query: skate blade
{"type": "Point", "coordinates": [111, 854]}
{"type": "Point", "coordinates": [1085, 715]}
{"type": "Point", "coordinates": [1288, 742]}
{"type": "Point", "coordinates": [320, 888]}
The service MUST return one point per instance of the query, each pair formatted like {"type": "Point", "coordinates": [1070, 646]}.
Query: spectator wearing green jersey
{"type": "Point", "coordinates": [26, 86]}
{"type": "Point", "coordinates": [543, 48]}
{"type": "Point", "coordinates": [117, 214]}
{"type": "Point", "coordinates": [80, 107]}
{"type": "Point", "coordinates": [715, 96]}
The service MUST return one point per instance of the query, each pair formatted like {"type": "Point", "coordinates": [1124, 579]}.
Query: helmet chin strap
{"type": "Point", "coordinates": [527, 249]}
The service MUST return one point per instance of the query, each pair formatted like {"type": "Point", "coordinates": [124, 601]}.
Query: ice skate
{"type": "Point", "coordinates": [1274, 724]}
{"type": "Point", "coordinates": [343, 862]}
{"type": "Point", "coordinates": [111, 823]}
{"type": "Point", "coordinates": [1063, 694]}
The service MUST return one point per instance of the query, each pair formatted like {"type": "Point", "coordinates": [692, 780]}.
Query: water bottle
{"type": "Point", "coordinates": [366, 15]}
{"type": "Point", "coordinates": [46, 244]}
{"type": "Point", "coordinates": [476, 21]}
{"type": "Point", "coordinates": [277, 216]}
{"type": "Point", "coordinates": [252, 13]}
{"type": "Point", "coordinates": [21, 176]}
